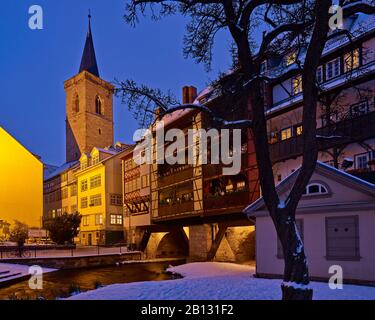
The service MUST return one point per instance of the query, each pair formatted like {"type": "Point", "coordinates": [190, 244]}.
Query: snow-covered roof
{"type": "Point", "coordinates": [59, 170]}
{"type": "Point", "coordinates": [109, 151]}
{"type": "Point", "coordinates": [320, 167]}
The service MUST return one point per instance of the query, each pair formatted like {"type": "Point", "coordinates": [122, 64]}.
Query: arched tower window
{"type": "Point", "coordinates": [98, 106]}
{"type": "Point", "coordinates": [76, 104]}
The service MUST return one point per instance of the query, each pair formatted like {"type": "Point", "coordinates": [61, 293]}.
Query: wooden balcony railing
{"type": "Point", "coordinates": [175, 177]}
{"type": "Point", "coordinates": [216, 170]}
{"type": "Point", "coordinates": [235, 199]}
{"type": "Point", "coordinates": [343, 132]}
{"type": "Point", "coordinates": [176, 208]}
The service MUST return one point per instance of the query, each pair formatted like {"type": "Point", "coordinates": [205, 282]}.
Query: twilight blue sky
{"type": "Point", "coordinates": [35, 63]}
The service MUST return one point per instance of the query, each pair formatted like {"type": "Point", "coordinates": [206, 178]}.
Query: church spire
{"type": "Point", "coordinates": [88, 62]}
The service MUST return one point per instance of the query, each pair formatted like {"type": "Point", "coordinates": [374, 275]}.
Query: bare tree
{"type": "Point", "coordinates": [298, 24]}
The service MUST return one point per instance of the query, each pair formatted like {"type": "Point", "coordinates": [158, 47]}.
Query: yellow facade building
{"type": "Point", "coordinates": [21, 183]}
{"type": "Point", "coordinates": [100, 196]}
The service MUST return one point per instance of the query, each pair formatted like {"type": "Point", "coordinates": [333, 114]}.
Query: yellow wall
{"type": "Point", "coordinates": [21, 183]}
{"type": "Point", "coordinates": [92, 211]}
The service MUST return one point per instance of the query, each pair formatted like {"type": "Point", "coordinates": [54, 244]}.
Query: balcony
{"type": "Point", "coordinates": [175, 175]}
{"type": "Point", "coordinates": [235, 199]}
{"type": "Point", "coordinates": [176, 208]}
{"type": "Point", "coordinates": [216, 170]}
{"type": "Point", "coordinates": [349, 130]}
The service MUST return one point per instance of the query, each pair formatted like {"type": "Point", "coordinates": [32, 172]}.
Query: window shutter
{"type": "Point", "coordinates": [342, 238]}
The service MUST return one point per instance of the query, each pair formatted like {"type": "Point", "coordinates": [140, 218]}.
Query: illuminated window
{"type": "Point", "coordinates": [299, 130]}
{"type": "Point", "coordinates": [351, 60]}
{"type": "Point", "coordinates": [229, 186]}
{"type": "Point", "coordinates": [274, 137]}
{"type": "Point", "coordinates": [297, 85]}
{"type": "Point", "coordinates": [286, 134]}
{"type": "Point", "coordinates": [241, 185]}
{"type": "Point", "coordinates": [291, 58]}
{"type": "Point", "coordinates": [116, 219]}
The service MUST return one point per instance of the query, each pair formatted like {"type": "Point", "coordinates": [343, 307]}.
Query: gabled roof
{"type": "Point", "coordinates": [321, 168]}
{"type": "Point", "coordinates": [88, 62]}
{"type": "Point", "coordinates": [59, 170]}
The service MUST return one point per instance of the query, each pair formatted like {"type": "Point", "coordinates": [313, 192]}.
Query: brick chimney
{"type": "Point", "coordinates": [188, 94]}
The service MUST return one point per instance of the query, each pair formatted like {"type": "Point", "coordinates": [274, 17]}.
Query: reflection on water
{"type": "Point", "coordinates": [61, 283]}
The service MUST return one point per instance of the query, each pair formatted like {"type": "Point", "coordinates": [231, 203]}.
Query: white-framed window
{"type": "Point", "coordinates": [361, 160]}
{"type": "Point", "coordinates": [95, 181]}
{"type": "Point", "coordinates": [116, 199]}
{"type": "Point", "coordinates": [351, 60]}
{"type": "Point", "coordinates": [84, 202]}
{"type": "Point", "coordinates": [84, 185]}
{"type": "Point", "coordinates": [319, 74]}
{"type": "Point", "coordinates": [98, 219]}
{"type": "Point", "coordinates": [95, 159]}
{"type": "Point", "coordinates": [73, 190]}
{"type": "Point", "coordinates": [333, 68]}
{"type": "Point", "coordinates": [85, 220]}
{"type": "Point", "coordinates": [145, 181]}
{"type": "Point", "coordinates": [96, 200]}
{"type": "Point", "coordinates": [315, 189]}
{"type": "Point", "coordinates": [84, 165]}
{"type": "Point", "coordinates": [116, 219]}
{"type": "Point", "coordinates": [297, 85]}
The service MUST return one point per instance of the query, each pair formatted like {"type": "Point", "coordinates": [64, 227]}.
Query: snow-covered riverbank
{"type": "Point", "coordinates": [216, 281]}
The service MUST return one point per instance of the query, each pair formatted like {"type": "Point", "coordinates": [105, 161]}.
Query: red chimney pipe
{"type": "Point", "coordinates": [188, 94]}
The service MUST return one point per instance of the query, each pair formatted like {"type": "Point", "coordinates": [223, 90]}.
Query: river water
{"type": "Point", "coordinates": [63, 283]}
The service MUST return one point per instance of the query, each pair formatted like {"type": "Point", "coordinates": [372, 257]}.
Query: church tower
{"type": "Point", "coordinates": [89, 106]}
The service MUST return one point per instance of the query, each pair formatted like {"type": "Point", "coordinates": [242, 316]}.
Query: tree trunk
{"type": "Point", "coordinates": [296, 274]}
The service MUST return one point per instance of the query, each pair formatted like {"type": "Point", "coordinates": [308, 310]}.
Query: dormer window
{"type": "Point", "coordinates": [84, 165]}
{"type": "Point", "coordinates": [315, 189]}
{"type": "Point", "coordinates": [98, 106]}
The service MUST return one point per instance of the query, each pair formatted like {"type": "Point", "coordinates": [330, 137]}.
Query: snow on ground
{"type": "Point", "coordinates": [14, 271]}
{"type": "Point", "coordinates": [216, 281]}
